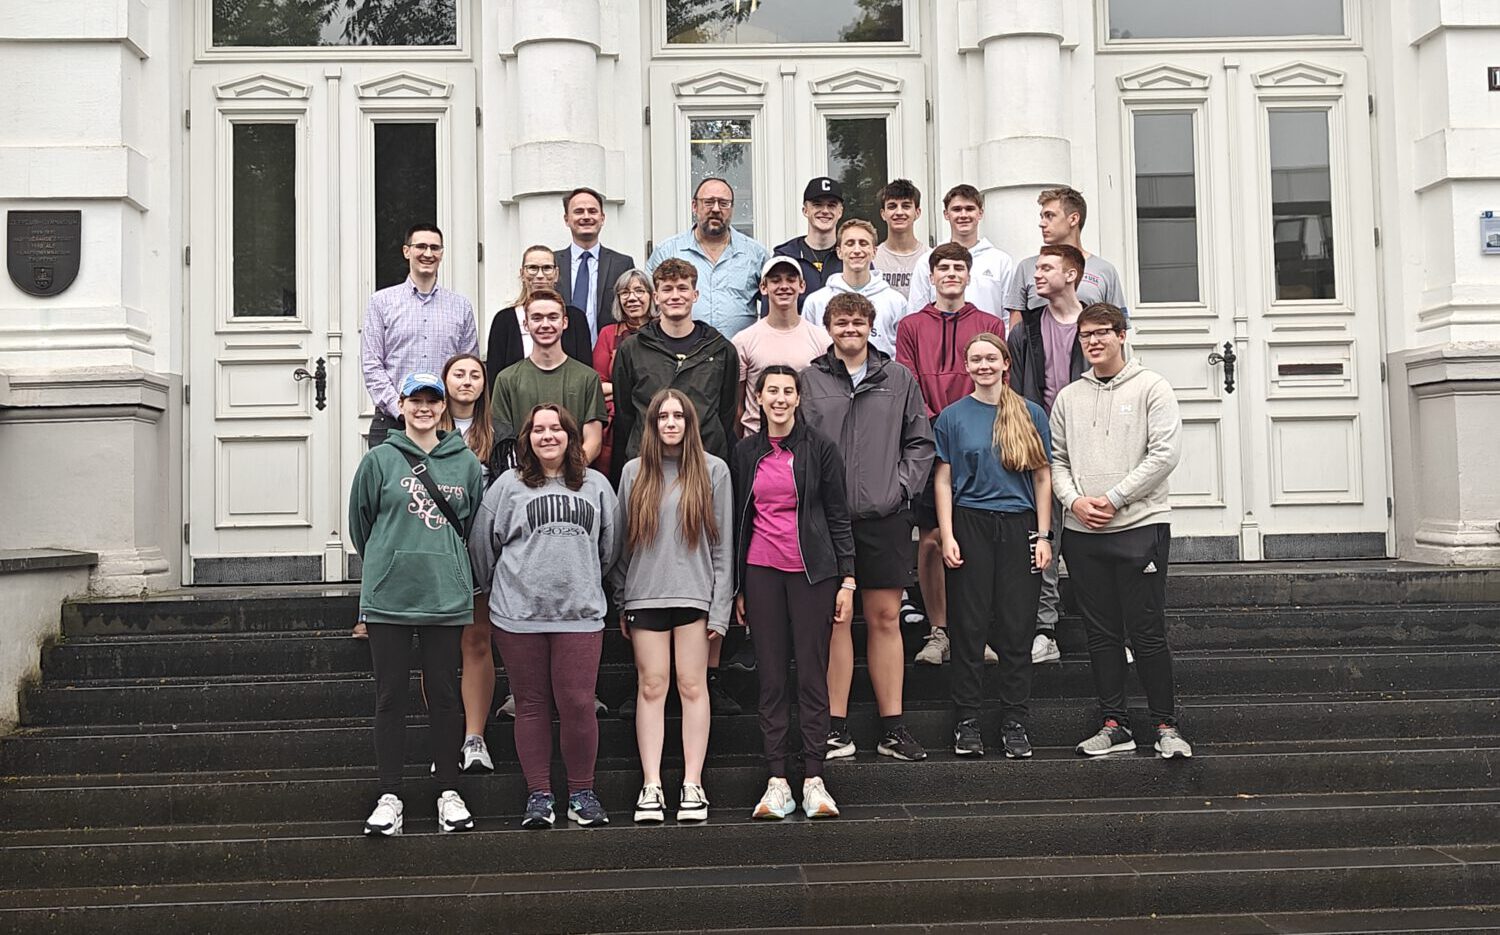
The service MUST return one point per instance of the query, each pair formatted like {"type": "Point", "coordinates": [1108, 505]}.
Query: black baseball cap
{"type": "Point", "coordinates": [823, 187]}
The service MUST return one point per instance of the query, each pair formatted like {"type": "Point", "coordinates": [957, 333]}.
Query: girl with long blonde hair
{"type": "Point", "coordinates": [994, 505]}
{"type": "Point", "coordinates": [674, 581]}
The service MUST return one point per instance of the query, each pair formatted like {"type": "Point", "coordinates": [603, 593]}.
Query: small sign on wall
{"type": "Point", "coordinates": [1495, 77]}
{"type": "Point", "coordinates": [1489, 233]}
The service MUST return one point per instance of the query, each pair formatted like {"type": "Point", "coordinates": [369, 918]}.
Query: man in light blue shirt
{"type": "Point", "coordinates": [727, 261]}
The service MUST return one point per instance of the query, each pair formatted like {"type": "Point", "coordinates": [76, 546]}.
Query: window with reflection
{"type": "Point", "coordinates": [720, 147]}
{"type": "Point", "coordinates": [335, 23]}
{"type": "Point", "coordinates": [1166, 207]}
{"type": "Point", "coordinates": [264, 220]}
{"type": "Point", "coordinates": [768, 22]}
{"type": "Point", "coordinates": [1301, 205]}
{"type": "Point", "coordinates": [1209, 19]}
{"type": "Point", "coordinates": [405, 192]}
{"type": "Point", "coordinates": [857, 158]}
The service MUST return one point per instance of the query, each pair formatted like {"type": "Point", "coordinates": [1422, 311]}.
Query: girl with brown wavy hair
{"type": "Point", "coordinates": [994, 504]}
{"type": "Point", "coordinates": [675, 582]}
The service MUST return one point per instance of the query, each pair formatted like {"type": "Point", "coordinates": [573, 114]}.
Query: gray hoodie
{"type": "Point", "coordinates": [666, 573]}
{"type": "Point", "coordinates": [541, 553]}
{"type": "Point", "coordinates": [1119, 440]}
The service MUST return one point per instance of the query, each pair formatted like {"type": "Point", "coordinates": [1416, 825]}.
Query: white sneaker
{"type": "Point", "coordinates": [936, 650]}
{"type": "Point", "coordinates": [1169, 743]}
{"type": "Point", "coordinates": [476, 755]}
{"type": "Point", "coordinates": [694, 805]}
{"type": "Point", "coordinates": [816, 802]}
{"type": "Point", "coordinates": [650, 806]}
{"type": "Point", "coordinates": [452, 813]}
{"type": "Point", "coordinates": [991, 658]}
{"type": "Point", "coordinates": [777, 802]}
{"type": "Point", "coordinates": [1044, 649]}
{"type": "Point", "coordinates": [386, 819]}
{"type": "Point", "coordinates": [508, 707]}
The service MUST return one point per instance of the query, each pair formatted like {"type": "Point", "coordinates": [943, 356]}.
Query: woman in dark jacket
{"type": "Point", "coordinates": [795, 570]}
{"type": "Point", "coordinates": [508, 340]}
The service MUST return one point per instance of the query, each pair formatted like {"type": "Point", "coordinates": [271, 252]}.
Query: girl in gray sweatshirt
{"type": "Point", "coordinates": [675, 584]}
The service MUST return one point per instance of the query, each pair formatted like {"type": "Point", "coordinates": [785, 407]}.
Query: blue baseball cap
{"type": "Point", "coordinates": [422, 381]}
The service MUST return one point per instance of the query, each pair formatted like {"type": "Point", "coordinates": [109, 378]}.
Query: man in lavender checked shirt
{"type": "Point", "coordinates": [412, 327]}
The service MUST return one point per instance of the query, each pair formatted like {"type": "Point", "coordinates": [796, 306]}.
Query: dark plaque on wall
{"type": "Point", "coordinates": [41, 250]}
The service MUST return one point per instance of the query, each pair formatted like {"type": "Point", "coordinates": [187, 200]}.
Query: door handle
{"type": "Point", "coordinates": [1227, 359]}
{"type": "Point", "coordinates": [319, 376]}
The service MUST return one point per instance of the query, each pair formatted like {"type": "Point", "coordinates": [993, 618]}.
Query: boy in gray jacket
{"type": "Point", "coordinates": [1115, 440]}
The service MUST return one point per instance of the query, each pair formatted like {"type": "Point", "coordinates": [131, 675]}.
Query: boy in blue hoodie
{"type": "Point", "coordinates": [416, 582]}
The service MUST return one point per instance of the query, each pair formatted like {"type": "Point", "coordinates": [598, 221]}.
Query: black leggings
{"type": "Point", "coordinates": [391, 652]}
{"type": "Point", "coordinates": [1120, 580]}
{"type": "Point", "coordinates": [791, 619]}
{"type": "Point", "coordinates": [992, 598]}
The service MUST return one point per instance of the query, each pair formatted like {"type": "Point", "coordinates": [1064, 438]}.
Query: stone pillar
{"type": "Point", "coordinates": [1440, 154]}
{"type": "Point", "coordinates": [91, 422]}
{"type": "Point", "coordinates": [1024, 147]}
{"type": "Point", "coordinates": [556, 138]}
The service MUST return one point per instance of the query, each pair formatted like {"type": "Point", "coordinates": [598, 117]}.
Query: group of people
{"type": "Point", "coordinates": [741, 436]}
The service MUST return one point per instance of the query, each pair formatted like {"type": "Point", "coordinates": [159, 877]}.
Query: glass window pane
{"type": "Point", "coordinates": [719, 147]}
{"type": "Point", "coordinates": [1301, 204]}
{"type": "Point", "coordinates": [335, 23]}
{"type": "Point", "coordinates": [1203, 19]}
{"type": "Point", "coordinates": [1166, 207]}
{"type": "Point", "coordinates": [265, 219]}
{"type": "Point", "coordinates": [760, 22]}
{"type": "Point", "coordinates": [857, 158]}
{"type": "Point", "coordinates": [405, 192]}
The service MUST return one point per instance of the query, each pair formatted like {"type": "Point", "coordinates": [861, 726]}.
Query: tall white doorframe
{"type": "Point", "coordinates": [267, 469]}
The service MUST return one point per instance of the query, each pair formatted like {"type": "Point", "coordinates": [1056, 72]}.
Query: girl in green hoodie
{"type": "Point", "coordinates": [416, 582]}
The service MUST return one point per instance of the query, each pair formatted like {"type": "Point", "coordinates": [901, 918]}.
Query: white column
{"type": "Point", "coordinates": [1024, 147]}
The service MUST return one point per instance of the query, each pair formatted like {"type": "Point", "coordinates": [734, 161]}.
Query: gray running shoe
{"type": "Point", "coordinates": [1113, 737]}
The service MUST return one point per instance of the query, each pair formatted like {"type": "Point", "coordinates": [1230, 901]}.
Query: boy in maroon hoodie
{"type": "Point", "coordinates": [930, 343]}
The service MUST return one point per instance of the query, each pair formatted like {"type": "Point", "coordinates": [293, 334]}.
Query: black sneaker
{"type": "Point", "coordinates": [743, 659]}
{"type": "Point", "coordinates": [840, 744]}
{"type": "Point", "coordinates": [719, 701]}
{"type": "Point", "coordinates": [966, 738]}
{"type": "Point", "coordinates": [900, 744]}
{"type": "Point", "coordinates": [1013, 738]}
{"type": "Point", "coordinates": [911, 614]}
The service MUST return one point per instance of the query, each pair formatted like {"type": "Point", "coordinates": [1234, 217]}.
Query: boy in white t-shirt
{"type": "Point", "coordinates": [900, 208]}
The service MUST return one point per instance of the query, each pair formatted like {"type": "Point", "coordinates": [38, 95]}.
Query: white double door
{"type": "Point", "coordinates": [303, 179]}
{"type": "Point", "coordinates": [1245, 201]}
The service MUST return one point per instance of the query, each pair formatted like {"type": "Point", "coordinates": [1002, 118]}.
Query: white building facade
{"type": "Point", "coordinates": [1301, 181]}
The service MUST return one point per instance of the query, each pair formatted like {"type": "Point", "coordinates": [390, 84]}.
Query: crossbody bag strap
{"type": "Point", "coordinates": [419, 470]}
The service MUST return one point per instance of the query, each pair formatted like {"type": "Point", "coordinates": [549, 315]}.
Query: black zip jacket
{"type": "Point", "coordinates": [823, 529]}
{"type": "Point", "coordinates": [709, 376]}
{"type": "Point", "coordinates": [1028, 357]}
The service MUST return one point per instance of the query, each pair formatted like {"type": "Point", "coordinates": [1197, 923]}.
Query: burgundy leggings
{"type": "Point", "coordinates": [546, 669]}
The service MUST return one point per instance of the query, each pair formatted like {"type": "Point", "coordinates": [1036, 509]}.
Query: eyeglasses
{"type": "Point", "coordinates": [634, 290]}
{"type": "Point", "coordinates": [538, 270]}
{"type": "Point", "coordinates": [1099, 334]}
{"type": "Point", "coordinates": [426, 247]}
{"type": "Point", "coordinates": [716, 202]}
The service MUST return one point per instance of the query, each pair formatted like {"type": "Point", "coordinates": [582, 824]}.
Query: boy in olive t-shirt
{"type": "Point", "coordinates": [549, 375]}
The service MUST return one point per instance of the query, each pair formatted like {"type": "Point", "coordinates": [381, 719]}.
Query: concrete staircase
{"type": "Point", "coordinates": [201, 762]}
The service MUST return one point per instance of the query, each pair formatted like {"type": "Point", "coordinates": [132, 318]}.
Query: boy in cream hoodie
{"type": "Point", "coordinates": [856, 247]}
{"type": "Point", "coordinates": [1116, 436]}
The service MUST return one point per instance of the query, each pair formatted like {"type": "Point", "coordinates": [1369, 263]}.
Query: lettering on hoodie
{"type": "Point", "coordinates": [422, 504]}
{"type": "Point", "coordinates": [556, 514]}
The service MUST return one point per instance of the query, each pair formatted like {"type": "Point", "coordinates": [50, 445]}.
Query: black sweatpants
{"type": "Point", "coordinates": [992, 599]}
{"type": "Point", "coordinates": [391, 652]}
{"type": "Point", "coordinates": [1120, 579]}
{"type": "Point", "coordinates": [790, 618]}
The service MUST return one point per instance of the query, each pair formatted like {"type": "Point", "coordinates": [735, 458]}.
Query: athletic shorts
{"type": "Point", "coordinates": [884, 554]}
{"type": "Point", "coordinates": [663, 619]}
{"type": "Point", "coordinates": [925, 506]}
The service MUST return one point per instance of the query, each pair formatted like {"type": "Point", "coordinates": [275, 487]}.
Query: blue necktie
{"type": "Point", "coordinates": [581, 290]}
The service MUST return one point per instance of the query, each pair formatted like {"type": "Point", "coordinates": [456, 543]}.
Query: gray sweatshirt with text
{"type": "Point", "coordinates": [541, 553]}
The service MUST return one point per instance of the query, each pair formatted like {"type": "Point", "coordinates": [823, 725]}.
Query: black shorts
{"type": "Point", "coordinates": [925, 506]}
{"type": "Point", "coordinates": [884, 554]}
{"type": "Point", "coordinates": [663, 619]}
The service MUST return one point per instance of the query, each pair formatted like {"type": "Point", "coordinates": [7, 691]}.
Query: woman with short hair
{"type": "Point", "coordinates": [632, 308]}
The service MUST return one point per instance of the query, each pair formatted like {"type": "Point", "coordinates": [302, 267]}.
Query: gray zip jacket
{"type": "Point", "coordinates": [667, 573]}
{"type": "Point", "coordinates": [880, 427]}
{"type": "Point", "coordinates": [541, 553]}
{"type": "Point", "coordinates": [1119, 440]}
